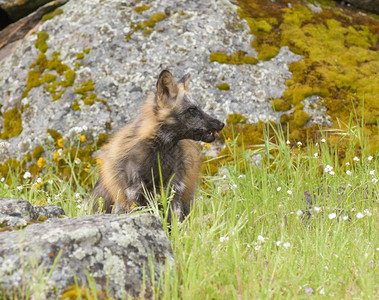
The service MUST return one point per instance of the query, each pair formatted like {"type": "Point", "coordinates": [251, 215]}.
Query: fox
{"type": "Point", "coordinates": [159, 145]}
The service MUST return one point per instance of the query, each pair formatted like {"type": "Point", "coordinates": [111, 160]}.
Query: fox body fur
{"type": "Point", "coordinates": [161, 138]}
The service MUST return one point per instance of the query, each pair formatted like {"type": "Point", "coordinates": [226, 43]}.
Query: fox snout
{"type": "Point", "coordinates": [212, 130]}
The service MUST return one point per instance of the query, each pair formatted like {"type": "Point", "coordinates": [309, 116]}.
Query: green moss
{"type": "Point", "coordinates": [237, 58]}
{"type": "Point", "coordinates": [51, 88]}
{"type": "Point", "coordinates": [75, 105]}
{"type": "Point", "coordinates": [33, 81]}
{"type": "Point", "coordinates": [154, 19]}
{"type": "Point", "coordinates": [236, 119]}
{"type": "Point", "coordinates": [37, 152]}
{"type": "Point", "coordinates": [54, 134]}
{"type": "Point", "coordinates": [69, 76]}
{"type": "Point", "coordinates": [57, 96]}
{"type": "Point", "coordinates": [49, 77]}
{"type": "Point", "coordinates": [41, 41]}
{"type": "Point", "coordinates": [300, 118]}
{"type": "Point", "coordinates": [223, 86]}
{"type": "Point", "coordinates": [51, 15]}
{"type": "Point", "coordinates": [141, 9]}
{"type": "Point", "coordinates": [80, 56]}
{"type": "Point", "coordinates": [85, 87]}
{"type": "Point", "coordinates": [42, 218]}
{"type": "Point", "coordinates": [280, 105]}
{"type": "Point", "coordinates": [12, 124]}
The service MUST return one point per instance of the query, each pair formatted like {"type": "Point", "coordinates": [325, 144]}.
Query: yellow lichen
{"type": "Point", "coordinates": [51, 15]}
{"type": "Point", "coordinates": [37, 152]}
{"type": "Point", "coordinates": [223, 86]}
{"type": "Point", "coordinates": [41, 41]}
{"type": "Point", "coordinates": [280, 105]}
{"type": "Point", "coordinates": [141, 9]}
{"type": "Point", "coordinates": [12, 124]}
{"type": "Point", "coordinates": [237, 58]}
{"type": "Point", "coordinates": [154, 19]}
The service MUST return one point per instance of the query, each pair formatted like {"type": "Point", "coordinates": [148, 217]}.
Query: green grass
{"type": "Point", "coordinates": [249, 235]}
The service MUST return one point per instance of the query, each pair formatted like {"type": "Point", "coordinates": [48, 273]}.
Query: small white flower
{"type": "Point", "coordinates": [257, 248]}
{"type": "Point", "coordinates": [39, 180]}
{"type": "Point", "coordinates": [322, 292]}
{"type": "Point", "coordinates": [328, 168]}
{"type": "Point", "coordinates": [79, 206]}
{"type": "Point", "coordinates": [332, 173]}
{"type": "Point", "coordinates": [349, 185]}
{"type": "Point", "coordinates": [224, 239]}
{"type": "Point", "coordinates": [77, 195]}
{"type": "Point", "coordinates": [316, 144]}
{"type": "Point", "coordinates": [299, 212]}
{"type": "Point", "coordinates": [260, 238]}
{"type": "Point", "coordinates": [19, 187]}
{"type": "Point", "coordinates": [323, 140]}
{"type": "Point", "coordinates": [317, 209]}
{"type": "Point", "coordinates": [242, 176]}
{"type": "Point", "coordinates": [234, 186]}
{"type": "Point", "coordinates": [289, 192]}
{"type": "Point", "coordinates": [332, 216]}
{"type": "Point", "coordinates": [369, 158]}
{"type": "Point", "coordinates": [366, 255]}
{"type": "Point", "coordinates": [377, 249]}
{"type": "Point", "coordinates": [315, 155]}
{"type": "Point", "coordinates": [326, 268]}
{"type": "Point", "coordinates": [348, 172]}
{"type": "Point", "coordinates": [27, 175]}
{"type": "Point", "coordinates": [367, 212]}
{"type": "Point", "coordinates": [347, 164]}
{"type": "Point", "coordinates": [50, 181]}
{"type": "Point", "coordinates": [278, 189]}
{"type": "Point", "coordinates": [372, 172]}
{"type": "Point", "coordinates": [286, 245]}
{"type": "Point", "coordinates": [288, 142]}
{"type": "Point", "coordinates": [48, 200]}
{"type": "Point", "coordinates": [374, 180]}
{"type": "Point", "coordinates": [299, 143]}
{"type": "Point", "coordinates": [77, 160]}
{"type": "Point", "coordinates": [353, 209]}
{"type": "Point", "coordinates": [356, 158]}
{"type": "Point", "coordinates": [345, 218]}
{"type": "Point", "coordinates": [85, 128]}
{"type": "Point", "coordinates": [2, 179]}
{"type": "Point", "coordinates": [224, 177]}
{"type": "Point", "coordinates": [278, 243]}
{"type": "Point", "coordinates": [359, 215]}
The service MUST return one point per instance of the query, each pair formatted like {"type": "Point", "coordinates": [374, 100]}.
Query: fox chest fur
{"type": "Point", "coordinates": [159, 143]}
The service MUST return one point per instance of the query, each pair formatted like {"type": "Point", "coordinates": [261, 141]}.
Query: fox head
{"type": "Point", "coordinates": [181, 116]}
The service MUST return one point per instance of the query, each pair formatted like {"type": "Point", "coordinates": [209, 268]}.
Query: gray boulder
{"type": "Point", "coordinates": [117, 252]}
{"type": "Point", "coordinates": [116, 50]}
{"type": "Point", "coordinates": [368, 5]}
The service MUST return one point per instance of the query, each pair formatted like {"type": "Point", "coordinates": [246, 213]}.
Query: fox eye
{"type": "Point", "coordinates": [192, 110]}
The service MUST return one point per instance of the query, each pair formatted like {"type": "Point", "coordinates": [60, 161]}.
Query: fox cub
{"type": "Point", "coordinates": [164, 133]}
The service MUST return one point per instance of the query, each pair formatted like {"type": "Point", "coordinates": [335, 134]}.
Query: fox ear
{"type": "Point", "coordinates": [186, 81]}
{"type": "Point", "coordinates": [166, 85]}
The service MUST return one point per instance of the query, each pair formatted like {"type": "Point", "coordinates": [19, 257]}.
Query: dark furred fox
{"type": "Point", "coordinates": [169, 124]}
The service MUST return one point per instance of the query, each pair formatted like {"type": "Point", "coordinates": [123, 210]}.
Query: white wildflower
{"type": "Point", "coordinates": [289, 192]}
{"type": "Point", "coordinates": [323, 140]}
{"type": "Point", "coordinates": [278, 243]}
{"type": "Point", "coordinates": [299, 212]}
{"type": "Point", "coordinates": [224, 239]}
{"type": "Point", "coordinates": [316, 154]}
{"type": "Point", "coordinates": [288, 142]}
{"type": "Point", "coordinates": [19, 187]}
{"type": "Point", "coordinates": [260, 238]}
{"type": "Point", "coordinates": [77, 195]}
{"type": "Point", "coordinates": [369, 158]}
{"type": "Point", "coordinates": [286, 245]}
{"type": "Point", "coordinates": [348, 172]}
{"type": "Point", "coordinates": [359, 215]}
{"type": "Point", "coordinates": [39, 180]}
{"type": "Point", "coordinates": [332, 173]}
{"type": "Point", "coordinates": [356, 158]}
{"type": "Point", "coordinates": [372, 172]}
{"type": "Point", "coordinates": [328, 168]}
{"type": "Point", "coordinates": [299, 143]}
{"type": "Point", "coordinates": [367, 212]}
{"type": "Point", "coordinates": [345, 218]}
{"type": "Point", "coordinates": [374, 180]}
{"type": "Point", "coordinates": [278, 189]}
{"type": "Point", "coordinates": [332, 216]}
{"type": "Point", "coordinates": [317, 209]}
{"type": "Point", "coordinates": [257, 248]}
{"type": "Point", "coordinates": [27, 175]}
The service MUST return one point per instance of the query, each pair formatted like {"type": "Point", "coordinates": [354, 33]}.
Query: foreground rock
{"type": "Point", "coordinates": [17, 9]}
{"type": "Point", "coordinates": [114, 250]}
{"type": "Point", "coordinates": [19, 213]}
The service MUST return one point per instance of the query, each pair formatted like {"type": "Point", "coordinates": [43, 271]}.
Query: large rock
{"type": "Point", "coordinates": [116, 251]}
{"type": "Point", "coordinates": [369, 5]}
{"type": "Point", "coordinates": [116, 50]}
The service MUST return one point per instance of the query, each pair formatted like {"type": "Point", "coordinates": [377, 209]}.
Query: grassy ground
{"type": "Point", "coordinates": [253, 233]}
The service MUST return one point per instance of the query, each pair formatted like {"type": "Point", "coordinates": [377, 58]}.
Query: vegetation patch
{"type": "Point", "coordinates": [12, 124]}
{"type": "Point", "coordinates": [51, 15]}
{"type": "Point", "coordinates": [223, 86]}
{"type": "Point", "coordinates": [237, 58]}
{"type": "Point", "coordinates": [340, 63]}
